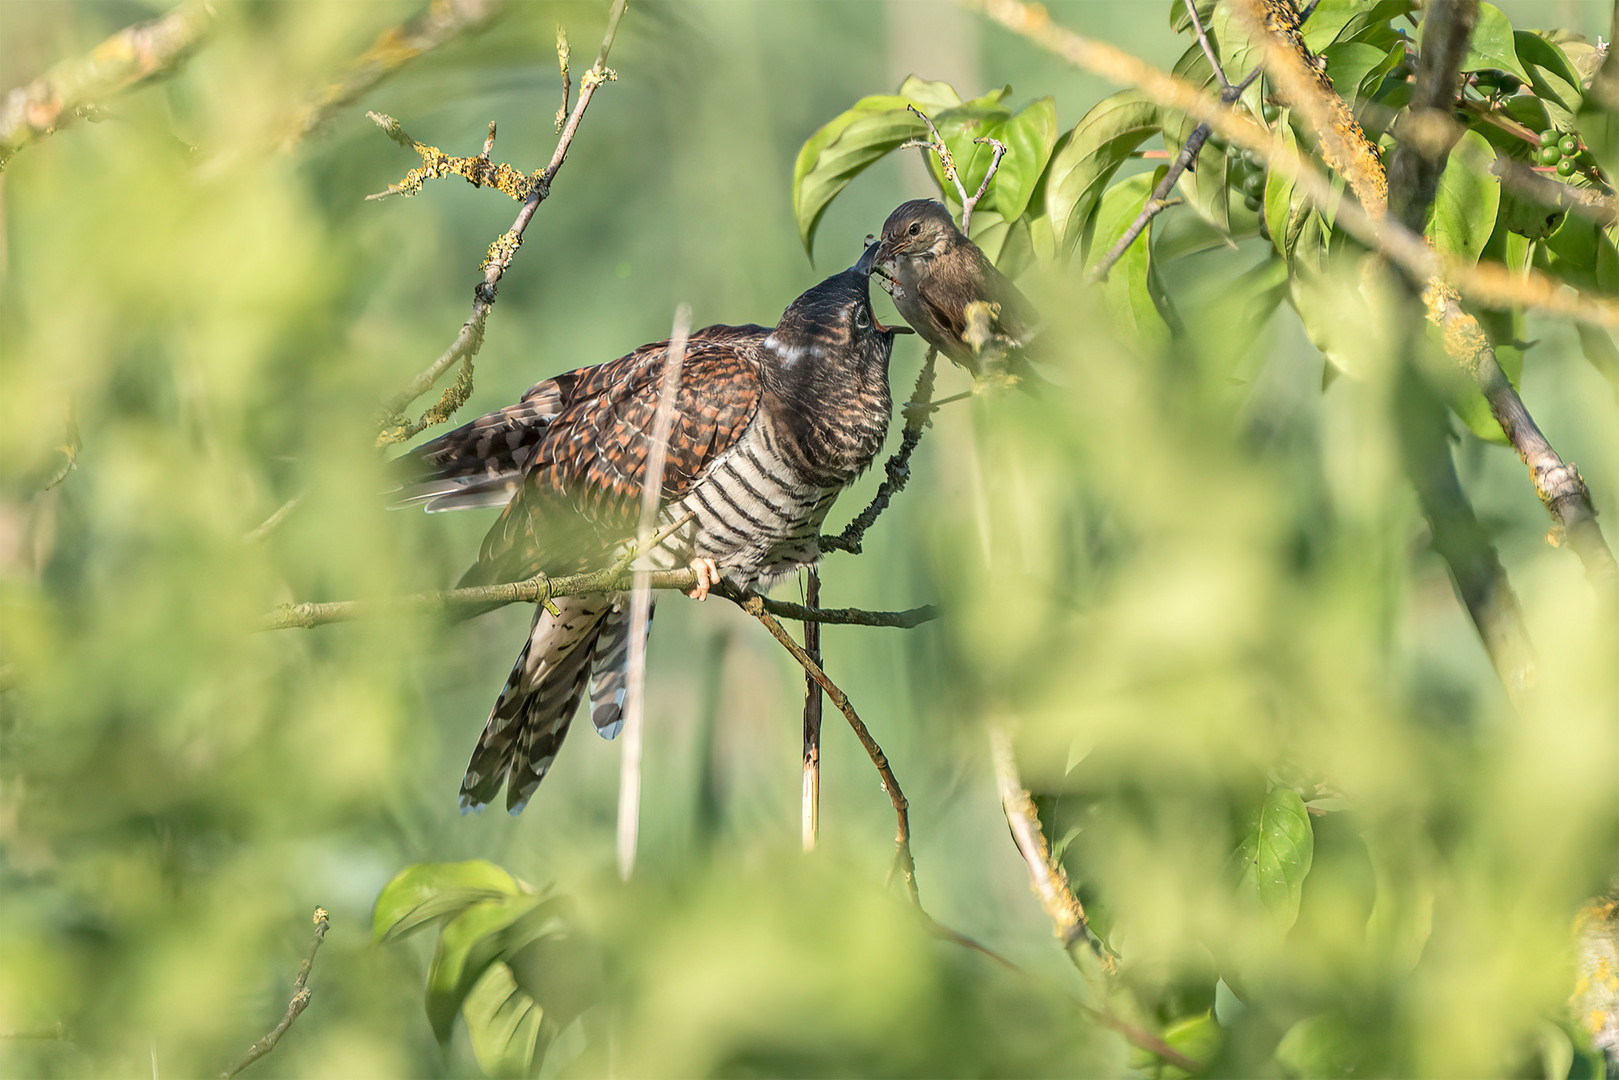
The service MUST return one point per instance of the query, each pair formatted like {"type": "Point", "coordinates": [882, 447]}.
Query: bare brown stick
{"type": "Point", "coordinates": [629, 785]}
{"type": "Point", "coordinates": [1046, 875]}
{"type": "Point", "coordinates": [1489, 283]}
{"type": "Point", "coordinates": [74, 88]}
{"type": "Point", "coordinates": [295, 1007]}
{"type": "Point", "coordinates": [273, 522]}
{"type": "Point", "coordinates": [812, 718]}
{"type": "Point", "coordinates": [442, 22]}
{"type": "Point", "coordinates": [470, 337]}
{"type": "Point", "coordinates": [904, 864]}
{"type": "Point", "coordinates": [897, 470]}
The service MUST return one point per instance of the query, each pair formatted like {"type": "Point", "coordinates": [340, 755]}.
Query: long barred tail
{"type": "Point", "coordinates": [531, 717]}
{"type": "Point", "coordinates": [609, 682]}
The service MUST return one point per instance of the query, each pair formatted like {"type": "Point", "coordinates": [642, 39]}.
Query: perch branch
{"type": "Point", "coordinates": [812, 719]}
{"type": "Point", "coordinates": [442, 22]}
{"type": "Point", "coordinates": [629, 785]}
{"type": "Point", "coordinates": [540, 588]}
{"type": "Point", "coordinates": [470, 337]}
{"type": "Point", "coordinates": [563, 55]}
{"type": "Point", "coordinates": [1488, 283]}
{"type": "Point", "coordinates": [1046, 875]}
{"type": "Point", "coordinates": [73, 89]}
{"type": "Point", "coordinates": [295, 1007]}
{"type": "Point", "coordinates": [904, 864]}
{"type": "Point", "coordinates": [897, 470]}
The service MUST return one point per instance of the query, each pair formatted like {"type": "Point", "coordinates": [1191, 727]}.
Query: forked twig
{"type": "Point", "coordinates": [903, 863]}
{"type": "Point", "coordinates": [295, 1007]}
{"type": "Point", "coordinates": [947, 165]}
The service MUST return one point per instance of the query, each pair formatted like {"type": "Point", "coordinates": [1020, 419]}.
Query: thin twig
{"type": "Point", "coordinates": [904, 864]}
{"type": "Point", "coordinates": [563, 55]}
{"type": "Point", "coordinates": [74, 88]}
{"type": "Point", "coordinates": [1208, 50]}
{"type": "Point", "coordinates": [295, 1007]}
{"type": "Point", "coordinates": [947, 165]}
{"type": "Point", "coordinates": [271, 523]}
{"type": "Point", "coordinates": [442, 22]}
{"type": "Point", "coordinates": [629, 786]}
{"type": "Point", "coordinates": [470, 337]}
{"type": "Point", "coordinates": [897, 470]}
{"type": "Point", "coordinates": [1046, 874]}
{"type": "Point", "coordinates": [812, 718]}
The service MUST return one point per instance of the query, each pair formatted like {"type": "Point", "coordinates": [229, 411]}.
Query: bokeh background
{"type": "Point", "coordinates": [1185, 574]}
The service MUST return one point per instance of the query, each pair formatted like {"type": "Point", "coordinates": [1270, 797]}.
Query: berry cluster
{"type": "Point", "coordinates": [1561, 149]}
{"type": "Point", "coordinates": [1248, 168]}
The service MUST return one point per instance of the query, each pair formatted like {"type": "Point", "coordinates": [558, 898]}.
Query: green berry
{"type": "Point", "coordinates": [1569, 145]}
{"type": "Point", "coordinates": [1272, 113]}
{"type": "Point", "coordinates": [1550, 136]}
{"type": "Point", "coordinates": [1251, 202]}
{"type": "Point", "coordinates": [1548, 155]}
{"type": "Point", "coordinates": [1253, 184]}
{"type": "Point", "coordinates": [1510, 84]}
{"type": "Point", "coordinates": [1565, 167]}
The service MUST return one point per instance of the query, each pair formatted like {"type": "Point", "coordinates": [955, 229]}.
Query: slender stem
{"type": "Point", "coordinates": [1208, 50]}
{"type": "Point", "coordinates": [300, 1000]}
{"type": "Point", "coordinates": [629, 788]}
{"type": "Point", "coordinates": [812, 719]}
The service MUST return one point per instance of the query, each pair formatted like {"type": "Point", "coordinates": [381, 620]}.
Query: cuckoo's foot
{"type": "Point", "coordinates": [708, 576]}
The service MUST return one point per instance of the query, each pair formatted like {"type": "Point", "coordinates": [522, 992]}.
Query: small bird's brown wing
{"type": "Point", "coordinates": [582, 492]}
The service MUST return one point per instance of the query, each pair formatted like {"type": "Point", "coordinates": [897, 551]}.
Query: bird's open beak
{"type": "Point", "coordinates": [868, 260]}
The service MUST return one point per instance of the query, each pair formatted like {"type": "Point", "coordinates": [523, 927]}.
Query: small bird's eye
{"type": "Point", "coordinates": [862, 318]}
{"type": "Point", "coordinates": [916, 228]}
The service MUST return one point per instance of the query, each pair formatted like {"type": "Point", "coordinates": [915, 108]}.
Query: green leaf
{"type": "Point", "coordinates": [503, 1022]}
{"type": "Point", "coordinates": [1598, 122]}
{"type": "Point", "coordinates": [1198, 1037]}
{"type": "Point", "coordinates": [1462, 216]}
{"type": "Point", "coordinates": [467, 945]}
{"type": "Point", "coordinates": [931, 97]}
{"type": "Point", "coordinates": [426, 891]}
{"type": "Point", "coordinates": [1322, 1046]}
{"type": "Point", "coordinates": [1553, 78]}
{"type": "Point", "coordinates": [1350, 62]}
{"type": "Point", "coordinates": [1127, 292]}
{"type": "Point", "coordinates": [1335, 21]}
{"type": "Point", "coordinates": [1206, 186]}
{"type": "Point", "coordinates": [959, 127]}
{"type": "Point", "coordinates": [1275, 854]}
{"type": "Point", "coordinates": [1492, 48]}
{"type": "Point", "coordinates": [1102, 140]}
{"type": "Point", "coordinates": [843, 149]}
{"type": "Point", "coordinates": [1029, 137]}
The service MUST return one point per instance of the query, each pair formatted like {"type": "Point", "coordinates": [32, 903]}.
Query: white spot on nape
{"type": "Point", "coordinates": [792, 354]}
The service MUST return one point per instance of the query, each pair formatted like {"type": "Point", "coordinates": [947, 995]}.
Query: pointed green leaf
{"type": "Point", "coordinates": [931, 97]}
{"type": "Point", "coordinates": [1093, 152]}
{"type": "Point", "coordinates": [1127, 292]}
{"type": "Point", "coordinates": [842, 149]}
{"type": "Point", "coordinates": [503, 1023]}
{"type": "Point", "coordinates": [1206, 185]}
{"type": "Point", "coordinates": [1492, 48]}
{"type": "Point", "coordinates": [1275, 854]}
{"type": "Point", "coordinates": [1598, 121]}
{"type": "Point", "coordinates": [1553, 78]}
{"type": "Point", "coordinates": [467, 945]}
{"type": "Point", "coordinates": [1029, 137]}
{"type": "Point", "coordinates": [426, 891]}
{"type": "Point", "coordinates": [1464, 208]}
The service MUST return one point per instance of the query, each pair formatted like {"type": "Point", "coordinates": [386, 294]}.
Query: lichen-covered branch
{"type": "Point", "coordinates": [442, 22]}
{"type": "Point", "coordinates": [539, 589]}
{"type": "Point", "coordinates": [295, 1007]}
{"type": "Point", "coordinates": [394, 427]}
{"type": "Point", "coordinates": [73, 88]}
{"type": "Point", "coordinates": [1046, 875]}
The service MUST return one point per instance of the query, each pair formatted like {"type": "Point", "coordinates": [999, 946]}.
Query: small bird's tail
{"type": "Point", "coordinates": [531, 716]}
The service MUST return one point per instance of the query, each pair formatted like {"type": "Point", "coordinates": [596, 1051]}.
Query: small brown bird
{"type": "Point", "coordinates": [769, 425]}
{"type": "Point", "coordinates": [938, 278]}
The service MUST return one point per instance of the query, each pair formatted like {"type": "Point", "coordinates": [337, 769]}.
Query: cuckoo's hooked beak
{"type": "Point", "coordinates": [869, 259]}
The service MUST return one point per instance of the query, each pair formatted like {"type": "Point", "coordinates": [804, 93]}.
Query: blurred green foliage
{"type": "Point", "coordinates": [1196, 582]}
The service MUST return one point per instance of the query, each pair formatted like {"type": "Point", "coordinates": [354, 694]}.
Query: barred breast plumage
{"type": "Point", "coordinates": [769, 425]}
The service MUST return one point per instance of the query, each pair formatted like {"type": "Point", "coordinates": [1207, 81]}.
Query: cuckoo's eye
{"type": "Point", "coordinates": [916, 228]}
{"type": "Point", "coordinates": [862, 318]}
